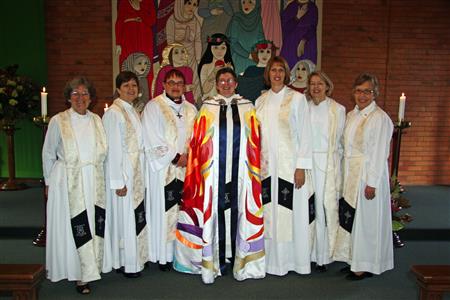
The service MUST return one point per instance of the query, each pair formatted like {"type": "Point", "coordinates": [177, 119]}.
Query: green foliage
{"type": "Point", "coordinates": [398, 203]}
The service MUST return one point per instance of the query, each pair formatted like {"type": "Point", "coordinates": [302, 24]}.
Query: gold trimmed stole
{"type": "Point", "coordinates": [171, 134]}
{"type": "Point", "coordinates": [351, 186]}
{"type": "Point", "coordinates": [89, 244]}
{"type": "Point", "coordinates": [332, 178]}
{"type": "Point", "coordinates": [138, 191]}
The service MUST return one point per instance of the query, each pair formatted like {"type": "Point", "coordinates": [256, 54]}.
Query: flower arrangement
{"type": "Point", "coordinates": [19, 96]}
{"type": "Point", "coordinates": [398, 203]}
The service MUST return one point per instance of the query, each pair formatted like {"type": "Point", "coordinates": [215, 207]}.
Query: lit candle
{"type": "Point", "coordinates": [106, 107]}
{"type": "Point", "coordinates": [43, 103]}
{"type": "Point", "coordinates": [401, 108]}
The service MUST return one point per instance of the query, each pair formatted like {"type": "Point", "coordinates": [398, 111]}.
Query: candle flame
{"type": "Point", "coordinates": [403, 94]}
{"type": "Point", "coordinates": [106, 105]}
{"type": "Point", "coordinates": [43, 89]}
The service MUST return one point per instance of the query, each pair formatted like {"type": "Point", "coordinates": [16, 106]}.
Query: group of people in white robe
{"type": "Point", "coordinates": [259, 189]}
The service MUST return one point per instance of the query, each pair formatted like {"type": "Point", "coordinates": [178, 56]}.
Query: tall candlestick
{"type": "Point", "coordinates": [106, 107]}
{"type": "Point", "coordinates": [401, 108]}
{"type": "Point", "coordinates": [43, 103]}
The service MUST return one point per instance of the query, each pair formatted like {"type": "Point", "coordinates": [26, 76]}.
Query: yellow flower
{"type": "Point", "coordinates": [14, 94]}
{"type": "Point", "coordinates": [2, 91]}
{"type": "Point", "coordinates": [11, 83]}
{"type": "Point", "coordinates": [13, 102]}
{"type": "Point", "coordinates": [19, 88]}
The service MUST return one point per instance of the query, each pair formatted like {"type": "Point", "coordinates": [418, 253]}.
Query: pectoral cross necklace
{"type": "Point", "coordinates": [177, 111]}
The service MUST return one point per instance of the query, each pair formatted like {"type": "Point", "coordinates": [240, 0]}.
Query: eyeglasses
{"type": "Point", "coordinates": [78, 94]}
{"type": "Point", "coordinates": [172, 83]}
{"type": "Point", "coordinates": [229, 81]}
{"type": "Point", "coordinates": [365, 92]}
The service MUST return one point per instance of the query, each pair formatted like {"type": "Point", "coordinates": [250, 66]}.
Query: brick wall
{"type": "Point", "coordinates": [78, 39]}
{"type": "Point", "coordinates": [405, 43]}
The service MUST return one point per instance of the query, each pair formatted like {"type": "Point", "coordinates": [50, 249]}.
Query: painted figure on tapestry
{"type": "Point", "coordinates": [271, 21]}
{"type": "Point", "coordinates": [244, 30]}
{"type": "Point", "coordinates": [251, 83]}
{"type": "Point", "coordinates": [217, 55]}
{"type": "Point", "coordinates": [135, 19]}
{"type": "Point", "coordinates": [184, 27]}
{"type": "Point", "coordinates": [165, 10]}
{"type": "Point", "coordinates": [175, 56]}
{"type": "Point", "coordinates": [139, 64]}
{"type": "Point", "coordinates": [299, 23]}
{"type": "Point", "coordinates": [300, 73]}
{"type": "Point", "coordinates": [216, 15]}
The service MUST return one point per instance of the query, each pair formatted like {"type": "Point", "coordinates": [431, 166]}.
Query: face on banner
{"type": "Point", "coordinates": [264, 56]}
{"type": "Point", "coordinates": [301, 73]}
{"type": "Point", "coordinates": [248, 6]}
{"type": "Point", "coordinates": [179, 56]}
{"type": "Point", "coordinates": [140, 65]}
{"type": "Point", "coordinates": [219, 51]}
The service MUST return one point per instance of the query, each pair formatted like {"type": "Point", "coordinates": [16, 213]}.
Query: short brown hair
{"type": "Point", "coordinates": [224, 71]}
{"type": "Point", "coordinates": [283, 62]}
{"type": "Point", "coordinates": [174, 73]}
{"type": "Point", "coordinates": [126, 76]}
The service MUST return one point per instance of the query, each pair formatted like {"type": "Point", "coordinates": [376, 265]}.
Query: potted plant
{"type": "Point", "coordinates": [398, 204]}
{"type": "Point", "coordinates": [19, 99]}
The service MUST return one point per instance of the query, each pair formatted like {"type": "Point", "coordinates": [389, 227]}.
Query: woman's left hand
{"type": "Point", "coordinates": [299, 178]}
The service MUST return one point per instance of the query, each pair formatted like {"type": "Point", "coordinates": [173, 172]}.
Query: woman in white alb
{"type": "Point", "coordinates": [73, 154]}
{"type": "Point", "coordinates": [327, 125]}
{"type": "Point", "coordinates": [125, 182]}
{"type": "Point", "coordinates": [285, 158]}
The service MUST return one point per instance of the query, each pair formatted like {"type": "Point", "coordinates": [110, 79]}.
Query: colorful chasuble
{"type": "Point", "coordinates": [201, 229]}
{"type": "Point", "coordinates": [285, 176]}
{"type": "Point", "coordinates": [173, 187]}
{"type": "Point", "coordinates": [138, 192]}
{"type": "Point", "coordinates": [351, 188]}
{"type": "Point", "coordinates": [89, 244]}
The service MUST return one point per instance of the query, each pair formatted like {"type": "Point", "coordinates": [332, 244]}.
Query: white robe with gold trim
{"type": "Point", "coordinates": [323, 116]}
{"type": "Point", "coordinates": [165, 135]}
{"type": "Point", "coordinates": [286, 145]}
{"type": "Point", "coordinates": [127, 249]}
{"type": "Point", "coordinates": [62, 258]}
{"type": "Point", "coordinates": [371, 238]}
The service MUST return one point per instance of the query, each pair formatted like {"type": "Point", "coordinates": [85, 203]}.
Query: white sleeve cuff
{"type": "Point", "coordinates": [304, 163]}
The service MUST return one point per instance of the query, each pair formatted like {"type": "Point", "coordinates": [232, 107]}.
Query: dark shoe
{"type": "Point", "coordinates": [132, 275]}
{"type": "Point", "coordinates": [83, 289]}
{"type": "Point", "coordinates": [353, 277]}
{"type": "Point", "coordinates": [321, 269]}
{"type": "Point", "coordinates": [120, 270]}
{"type": "Point", "coordinates": [345, 270]}
{"type": "Point", "coordinates": [164, 267]}
{"type": "Point", "coordinates": [223, 270]}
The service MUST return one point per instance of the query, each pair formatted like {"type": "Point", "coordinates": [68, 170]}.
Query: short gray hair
{"type": "Point", "coordinates": [367, 77]}
{"type": "Point", "coordinates": [76, 82]}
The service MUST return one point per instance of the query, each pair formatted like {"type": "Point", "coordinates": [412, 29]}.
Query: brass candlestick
{"type": "Point", "coordinates": [39, 241]}
{"type": "Point", "coordinates": [397, 137]}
